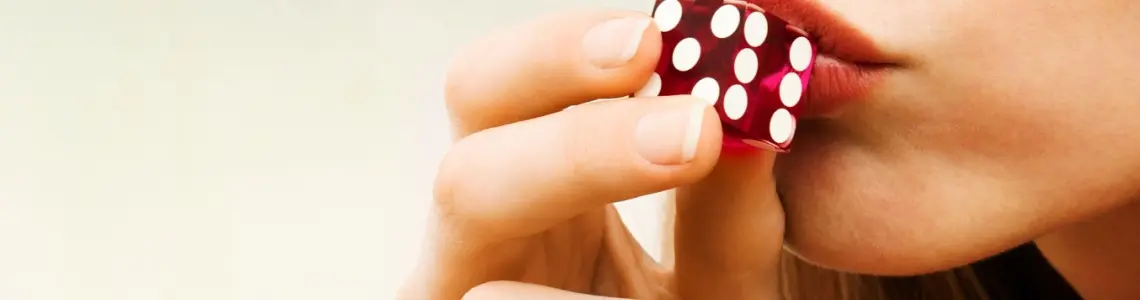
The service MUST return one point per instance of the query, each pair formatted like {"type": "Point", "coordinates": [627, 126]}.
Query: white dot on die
{"type": "Point", "coordinates": [707, 89]}
{"type": "Point", "coordinates": [800, 54]}
{"type": "Point", "coordinates": [735, 102]}
{"type": "Point", "coordinates": [667, 15]}
{"type": "Point", "coordinates": [725, 21]}
{"type": "Point", "coordinates": [651, 88]}
{"type": "Point", "coordinates": [781, 126]}
{"type": "Point", "coordinates": [755, 29]}
{"type": "Point", "coordinates": [686, 54]}
{"type": "Point", "coordinates": [791, 88]}
{"type": "Point", "coordinates": [746, 65]}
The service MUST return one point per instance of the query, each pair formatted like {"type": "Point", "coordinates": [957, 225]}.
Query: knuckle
{"type": "Point", "coordinates": [453, 84]}
{"type": "Point", "coordinates": [452, 170]}
{"type": "Point", "coordinates": [467, 64]}
{"type": "Point", "coordinates": [458, 197]}
{"type": "Point", "coordinates": [469, 92]}
{"type": "Point", "coordinates": [461, 199]}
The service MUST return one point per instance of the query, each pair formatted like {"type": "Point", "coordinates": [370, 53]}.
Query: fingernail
{"type": "Point", "coordinates": [669, 136]}
{"type": "Point", "coordinates": [614, 42]}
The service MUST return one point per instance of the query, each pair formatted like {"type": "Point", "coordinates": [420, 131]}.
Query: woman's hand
{"type": "Point", "coordinates": [523, 200]}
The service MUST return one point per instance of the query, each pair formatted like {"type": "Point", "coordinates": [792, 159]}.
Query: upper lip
{"type": "Point", "coordinates": [834, 37]}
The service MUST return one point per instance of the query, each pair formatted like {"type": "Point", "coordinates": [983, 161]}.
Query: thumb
{"type": "Point", "coordinates": [729, 231]}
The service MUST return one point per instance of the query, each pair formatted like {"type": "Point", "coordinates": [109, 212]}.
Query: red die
{"type": "Point", "coordinates": [752, 66]}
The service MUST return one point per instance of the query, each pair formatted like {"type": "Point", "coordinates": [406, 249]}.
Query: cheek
{"type": "Point", "coordinates": [903, 28]}
{"type": "Point", "coordinates": [1014, 118]}
{"type": "Point", "coordinates": [1062, 55]}
{"type": "Point", "coordinates": [1035, 95]}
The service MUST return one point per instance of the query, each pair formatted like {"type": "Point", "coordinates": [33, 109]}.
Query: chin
{"type": "Point", "coordinates": [849, 209]}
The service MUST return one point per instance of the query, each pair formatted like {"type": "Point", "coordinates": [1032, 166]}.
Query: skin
{"type": "Point", "coordinates": [1001, 122]}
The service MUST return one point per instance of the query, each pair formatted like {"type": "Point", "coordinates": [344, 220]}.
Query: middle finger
{"type": "Point", "coordinates": [521, 178]}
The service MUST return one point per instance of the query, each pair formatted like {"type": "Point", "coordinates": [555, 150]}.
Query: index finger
{"type": "Point", "coordinates": [553, 62]}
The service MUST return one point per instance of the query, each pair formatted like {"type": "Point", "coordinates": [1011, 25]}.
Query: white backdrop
{"type": "Point", "coordinates": [228, 149]}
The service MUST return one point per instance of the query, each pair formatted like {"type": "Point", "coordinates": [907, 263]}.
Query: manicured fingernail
{"type": "Point", "coordinates": [614, 42]}
{"type": "Point", "coordinates": [669, 136]}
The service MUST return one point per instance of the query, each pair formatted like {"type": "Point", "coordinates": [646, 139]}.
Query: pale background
{"type": "Point", "coordinates": [228, 149]}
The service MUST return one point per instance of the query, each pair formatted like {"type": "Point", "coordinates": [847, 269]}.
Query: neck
{"type": "Point", "coordinates": [1099, 256]}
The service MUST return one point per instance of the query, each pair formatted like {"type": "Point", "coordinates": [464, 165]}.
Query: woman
{"type": "Point", "coordinates": [988, 125]}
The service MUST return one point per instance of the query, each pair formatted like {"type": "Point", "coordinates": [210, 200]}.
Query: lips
{"type": "Point", "coordinates": [848, 65]}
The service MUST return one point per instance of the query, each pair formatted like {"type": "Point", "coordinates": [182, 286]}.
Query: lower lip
{"type": "Point", "coordinates": [836, 83]}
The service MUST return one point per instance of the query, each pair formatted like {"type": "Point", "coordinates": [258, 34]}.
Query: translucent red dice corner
{"type": "Point", "coordinates": [753, 67]}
